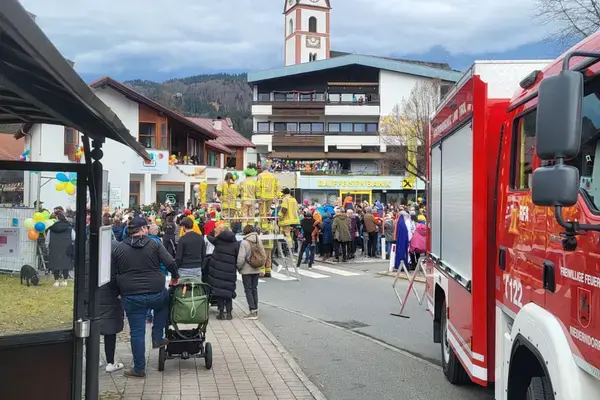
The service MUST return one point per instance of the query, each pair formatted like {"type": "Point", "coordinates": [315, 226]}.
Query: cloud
{"type": "Point", "coordinates": [111, 36]}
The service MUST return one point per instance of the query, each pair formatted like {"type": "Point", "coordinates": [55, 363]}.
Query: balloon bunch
{"type": "Point", "coordinates": [38, 224]}
{"type": "Point", "coordinates": [78, 152]}
{"type": "Point", "coordinates": [173, 159]}
{"type": "Point", "coordinates": [24, 156]}
{"type": "Point", "coordinates": [66, 183]}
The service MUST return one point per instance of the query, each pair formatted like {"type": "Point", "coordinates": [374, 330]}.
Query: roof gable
{"type": "Point", "coordinates": [140, 98]}
{"type": "Point", "coordinates": [291, 4]}
{"type": "Point", "coordinates": [367, 61]}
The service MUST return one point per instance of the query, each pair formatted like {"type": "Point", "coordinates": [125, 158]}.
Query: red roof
{"type": "Point", "coordinates": [10, 148]}
{"type": "Point", "coordinates": [227, 136]}
{"type": "Point", "coordinates": [140, 98]}
{"type": "Point", "coordinates": [215, 145]}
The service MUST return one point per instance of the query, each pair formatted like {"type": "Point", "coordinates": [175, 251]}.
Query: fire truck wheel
{"type": "Point", "coordinates": [453, 369]}
{"type": "Point", "coordinates": [540, 389]}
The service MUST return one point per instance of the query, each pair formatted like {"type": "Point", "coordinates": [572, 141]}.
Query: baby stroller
{"type": "Point", "coordinates": [189, 304]}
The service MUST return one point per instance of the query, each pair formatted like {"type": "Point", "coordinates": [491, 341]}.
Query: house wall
{"type": "Point", "coordinates": [394, 88]}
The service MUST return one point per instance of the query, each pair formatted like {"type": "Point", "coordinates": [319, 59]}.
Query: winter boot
{"type": "Point", "coordinates": [221, 315]}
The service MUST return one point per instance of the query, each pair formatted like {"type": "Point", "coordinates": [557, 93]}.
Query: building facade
{"type": "Point", "coordinates": [322, 116]}
{"type": "Point", "coordinates": [200, 146]}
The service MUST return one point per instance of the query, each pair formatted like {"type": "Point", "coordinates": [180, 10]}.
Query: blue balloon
{"type": "Point", "coordinates": [40, 227]}
{"type": "Point", "coordinates": [27, 152]}
{"type": "Point", "coordinates": [62, 177]}
{"type": "Point", "coordinates": [72, 176]}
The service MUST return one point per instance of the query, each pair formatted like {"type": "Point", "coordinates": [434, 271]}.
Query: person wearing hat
{"type": "Point", "coordinates": [141, 282]}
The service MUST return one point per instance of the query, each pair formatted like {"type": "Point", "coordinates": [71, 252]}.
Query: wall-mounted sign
{"type": "Point", "coordinates": [355, 183]}
{"type": "Point", "coordinates": [157, 165]}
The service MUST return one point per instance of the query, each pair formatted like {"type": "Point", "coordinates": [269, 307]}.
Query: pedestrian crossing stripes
{"type": "Point", "coordinates": [239, 278]}
{"type": "Point", "coordinates": [335, 271]}
{"type": "Point", "coordinates": [311, 274]}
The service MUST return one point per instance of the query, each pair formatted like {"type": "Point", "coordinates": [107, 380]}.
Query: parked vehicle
{"type": "Point", "coordinates": [514, 247]}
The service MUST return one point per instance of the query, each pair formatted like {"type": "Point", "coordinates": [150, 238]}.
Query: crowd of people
{"type": "Point", "coordinates": [195, 242]}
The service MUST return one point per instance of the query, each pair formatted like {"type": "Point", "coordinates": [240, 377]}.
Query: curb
{"type": "Point", "coordinates": [310, 386]}
{"type": "Point", "coordinates": [401, 276]}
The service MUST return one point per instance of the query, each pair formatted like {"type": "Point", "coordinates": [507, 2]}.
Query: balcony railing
{"type": "Point", "coordinates": [302, 99]}
{"type": "Point", "coordinates": [318, 133]}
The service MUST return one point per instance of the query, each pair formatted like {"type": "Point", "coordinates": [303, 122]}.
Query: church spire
{"type": "Point", "coordinates": [307, 31]}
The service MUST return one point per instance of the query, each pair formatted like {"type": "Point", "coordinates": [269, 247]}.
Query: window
{"type": "Point", "coordinates": [444, 89]}
{"type": "Point", "coordinates": [305, 127]}
{"type": "Point", "coordinates": [334, 98]}
{"type": "Point", "coordinates": [279, 126]}
{"type": "Point", "coordinates": [306, 97]}
{"type": "Point", "coordinates": [347, 97]}
{"type": "Point", "coordinates": [292, 126]}
{"type": "Point", "coordinates": [280, 97]}
{"type": "Point", "coordinates": [347, 127]}
{"type": "Point", "coordinates": [264, 97]}
{"type": "Point", "coordinates": [193, 148]}
{"type": "Point", "coordinates": [291, 97]}
{"type": "Point", "coordinates": [333, 127]}
{"type": "Point", "coordinates": [164, 137]}
{"type": "Point", "coordinates": [134, 193]}
{"type": "Point", "coordinates": [320, 97]}
{"type": "Point", "coordinates": [372, 127]}
{"type": "Point", "coordinates": [147, 135]}
{"type": "Point", "coordinates": [317, 127]}
{"type": "Point", "coordinates": [359, 127]}
{"type": "Point", "coordinates": [263, 127]}
{"type": "Point", "coordinates": [212, 159]}
{"type": "Point", "coordinates": [291, 25]}
{"type": "Point", "coordinates": [312, 57]}
{"type": "Point", "coordinates": [523, 149]}
{"type": "Point", "coordinates": [312, 24]}
{"type": "Point", "coordinates": [71, 140]}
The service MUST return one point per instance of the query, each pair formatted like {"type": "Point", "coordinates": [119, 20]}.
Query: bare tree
{"type": "Point", "coordinates": [571, 20]}
{"type": "Point", "coordinates": [404, 131]}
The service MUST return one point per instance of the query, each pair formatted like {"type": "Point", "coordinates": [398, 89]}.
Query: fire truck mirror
{"type": "Point", "coordinates": [557, 185]}
{"type": "Point", "coordinates": [558, 120]}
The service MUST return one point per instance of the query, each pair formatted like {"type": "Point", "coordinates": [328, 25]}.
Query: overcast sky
{"type": "Point", "coordinates": [153, 39]}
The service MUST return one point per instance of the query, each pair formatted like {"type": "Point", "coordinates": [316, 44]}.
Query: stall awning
{"type": "Point", "coordinates": [38, 85]}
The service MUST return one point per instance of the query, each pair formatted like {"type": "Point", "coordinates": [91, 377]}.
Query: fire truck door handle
{"type": "Point", "coordinates": [502, 258]}
{"type": "Point", "coordinates": [549, 276]}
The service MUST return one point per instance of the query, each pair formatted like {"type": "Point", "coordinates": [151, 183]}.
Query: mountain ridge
{"type": "Point", "coordinates": [204, 95]}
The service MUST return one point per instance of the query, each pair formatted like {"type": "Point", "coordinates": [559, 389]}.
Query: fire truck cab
{"type": "Point", "coordinates": [513, 264]}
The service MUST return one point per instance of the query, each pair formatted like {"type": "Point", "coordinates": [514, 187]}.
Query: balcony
{"type": "Point", "coordinates": [307, 104]}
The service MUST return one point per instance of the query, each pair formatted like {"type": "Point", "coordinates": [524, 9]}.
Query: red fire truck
{"type": "Point", "coordinates": [513, 267]}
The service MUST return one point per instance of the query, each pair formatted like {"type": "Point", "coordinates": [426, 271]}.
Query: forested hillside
{"type": "Point", "coordinates": [209, 95]}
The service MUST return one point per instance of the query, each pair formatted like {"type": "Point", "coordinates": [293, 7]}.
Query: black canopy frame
{"type": "Point", "coordinates": [39, 86]}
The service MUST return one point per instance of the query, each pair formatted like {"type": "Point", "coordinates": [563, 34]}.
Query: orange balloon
{"type": "Point", "coordinates": [33, 234]}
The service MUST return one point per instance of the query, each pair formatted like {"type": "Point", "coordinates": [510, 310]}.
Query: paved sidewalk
{"type": "Point", "coordinates": [248, 363]}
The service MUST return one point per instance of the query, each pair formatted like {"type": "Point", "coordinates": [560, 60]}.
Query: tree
{"type": "Point", "coordinates": [404, 131]}
{"type": "Point", "coordinates": [571, 20]}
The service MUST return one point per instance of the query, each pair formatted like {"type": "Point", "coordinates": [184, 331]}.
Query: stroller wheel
{"type": "Point", "coordinates": [208, 355]}
{"type": "Point", "coordinates": [162, 357]}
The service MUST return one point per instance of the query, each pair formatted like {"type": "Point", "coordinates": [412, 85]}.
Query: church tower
{"type": "Point", "coordinates": [307, 31]}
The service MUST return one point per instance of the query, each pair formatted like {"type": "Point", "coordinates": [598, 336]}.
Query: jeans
{"type": "Point", "coordinates": [250, 282]}
{"type": "Point", "coordinates": [372, 244]}
{"type": "Point", "coordinates": [136, 307]}
{"type": "Point", "coordinates": [309, 248]}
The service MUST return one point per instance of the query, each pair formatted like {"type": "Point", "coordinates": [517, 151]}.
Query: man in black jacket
{"type": "Point", "coordinates": [142, 286]}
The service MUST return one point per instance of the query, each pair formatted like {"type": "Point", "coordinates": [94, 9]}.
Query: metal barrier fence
{"type": "Point", "coordinates": [16, 249]}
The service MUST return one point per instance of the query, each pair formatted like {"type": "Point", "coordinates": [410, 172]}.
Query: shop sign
{"type": "Point", "coordinates": [158, 163]}
{"type": "Point", "coordinates": [354, 183]}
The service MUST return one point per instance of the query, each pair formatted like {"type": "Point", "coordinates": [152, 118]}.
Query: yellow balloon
{"type": "Point", "coordinates": [38, 217]}
{"type": "Point", "coordinates": [70, 188]}
{"type": "Point", "coordinates": [60, 186]}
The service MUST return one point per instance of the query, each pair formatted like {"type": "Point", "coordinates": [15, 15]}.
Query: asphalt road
{"type": "Point", "coordinates": [340, 331]}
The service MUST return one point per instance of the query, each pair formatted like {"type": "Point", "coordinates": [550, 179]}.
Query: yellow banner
{"type": "Point", "coordinates": [354, 183]}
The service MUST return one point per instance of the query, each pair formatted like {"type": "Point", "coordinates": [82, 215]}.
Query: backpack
{"type": "Point", "coordinates": [258, 255]}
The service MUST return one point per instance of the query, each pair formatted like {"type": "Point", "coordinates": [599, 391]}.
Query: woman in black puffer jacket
{"type": "Point", "coordinates": [222, 270]}
{"type": "Point", "coordinates": [168, 240]}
